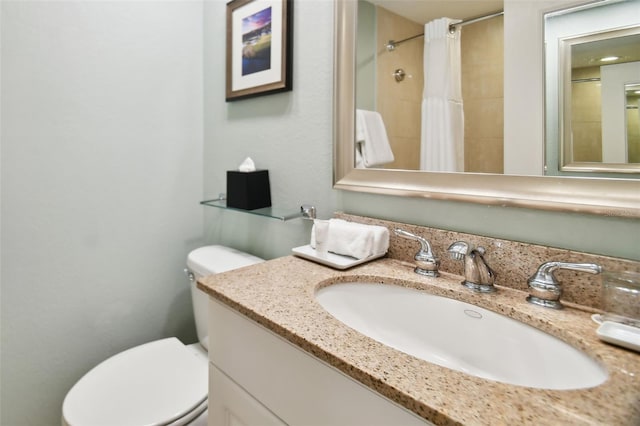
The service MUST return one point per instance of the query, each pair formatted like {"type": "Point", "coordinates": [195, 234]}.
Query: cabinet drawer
{"type": "Point", "coordinates": [230, 405]}
{"type": "Point", "coordinates": [299, 388]}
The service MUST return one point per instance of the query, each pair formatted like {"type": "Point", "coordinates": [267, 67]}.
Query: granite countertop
{"type": "Point", "coordinates": [279, 295]}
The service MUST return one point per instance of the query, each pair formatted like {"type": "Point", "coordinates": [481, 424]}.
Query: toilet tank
{"type": "Point", "coordinates": [210, 260]}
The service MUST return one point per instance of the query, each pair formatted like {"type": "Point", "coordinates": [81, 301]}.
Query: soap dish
{"type": "Point", "coordinates": [620, 334]}
{"type": "Point", "coordinates": [331, 259]}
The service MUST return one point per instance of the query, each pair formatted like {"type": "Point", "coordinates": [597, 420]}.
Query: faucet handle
{"type": "Point", "coordinates": [426, 262]}
{"type": "Point", "coordinates": [459, 249]}
{"type": "Point", "coordinates": [544, 288]}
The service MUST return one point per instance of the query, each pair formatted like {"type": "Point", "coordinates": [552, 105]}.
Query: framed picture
{"type": "Point", "coordinates": [259, 42]}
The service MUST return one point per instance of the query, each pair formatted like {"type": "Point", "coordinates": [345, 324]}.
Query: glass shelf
{"type": "Point", "coordinates": [269, 212]}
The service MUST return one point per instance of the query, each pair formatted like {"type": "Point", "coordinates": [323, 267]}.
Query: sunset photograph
{"type": "Point", "coordinates": [256, 42]}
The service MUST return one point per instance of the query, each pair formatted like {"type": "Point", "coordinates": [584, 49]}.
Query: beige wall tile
{"type": "Point", "coordinates": [484, 118]}
{"type": "Point", "coordinates": [482, 48]}
{"type": "Point", "coordinates": [400, 103]}
{"type": "Point", "coordinates": [587, 141]}
{"type": "Point", "coordinates": [483, 155]}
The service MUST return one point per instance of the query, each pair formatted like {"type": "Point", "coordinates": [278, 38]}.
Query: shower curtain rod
{"type": "Point", "coordinates": [452, 27]}
{"type": "Point", "coordinates": [391, 44]}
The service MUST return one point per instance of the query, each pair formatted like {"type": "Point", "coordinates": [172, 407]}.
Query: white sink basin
{"type": "Point", "coordinates": [460, 336]}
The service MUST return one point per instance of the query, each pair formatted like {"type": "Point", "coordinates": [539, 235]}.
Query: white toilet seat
{"type": "Point", "coordinates": [159, 383]}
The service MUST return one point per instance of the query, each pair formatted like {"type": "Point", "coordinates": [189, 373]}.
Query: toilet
{"type": "Point", "coordinates": [163, 382]}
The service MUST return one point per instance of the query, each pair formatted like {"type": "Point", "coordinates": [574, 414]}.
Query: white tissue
{"type": "Point", "coordinates": [247, 165]}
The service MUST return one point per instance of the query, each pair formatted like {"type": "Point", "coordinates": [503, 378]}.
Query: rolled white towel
{"type": "Point", "coordinates": [355, 239]}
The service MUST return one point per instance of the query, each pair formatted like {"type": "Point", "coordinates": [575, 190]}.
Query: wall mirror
{"type": "Point", "coordinates": [614, 197]}
{"type": "Point", "coordinates": [595, 52]}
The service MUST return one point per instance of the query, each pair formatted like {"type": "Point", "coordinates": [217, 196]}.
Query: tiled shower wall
{"type": "Point", "coordinates": [400, 103]}
{"type": "Point", "coordinates": [482, 47]}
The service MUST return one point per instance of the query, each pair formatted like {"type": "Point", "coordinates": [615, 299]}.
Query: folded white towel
{"type": "Point", "coordinates": [372, 139]}
{"type": "Point", "coordinates": [355, 239]}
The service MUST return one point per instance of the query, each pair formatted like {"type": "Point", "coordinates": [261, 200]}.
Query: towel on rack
{"type": "Point", "coordinates": [355, 239]}
{"type": "Point", "coordinates": [371, 138]}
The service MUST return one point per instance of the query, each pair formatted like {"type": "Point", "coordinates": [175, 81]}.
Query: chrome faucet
{"type": "Point", "coordinates": [544, 288]}
{"type": "Point", "coordinates": [478, 276]}
{"type": "Point", "coordinates": [426, 262]}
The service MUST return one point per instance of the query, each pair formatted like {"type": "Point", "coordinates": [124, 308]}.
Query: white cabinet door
{"type": "Point", "coordinates": [299, 388]}
{"type": "Point", "coordinates": [230, 405]}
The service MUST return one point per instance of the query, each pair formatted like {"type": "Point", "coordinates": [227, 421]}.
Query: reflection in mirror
{"type": "Point", "coordinates": [632, 106]}
{"type": "Point", "coordinates": [595, 51]}
{"type": "Point", "coordinates": [452, 121]}
{"type": "Point", "coordinates": [600, 73]}
{"type": "Point", "coordinates": [611, 197]}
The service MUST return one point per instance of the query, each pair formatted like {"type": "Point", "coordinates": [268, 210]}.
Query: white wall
{"type": "Point", "coordinates": [523, 115]}
{"type": "Point", "coordinates": [524, 118]}
{"type": "Point", "coordinates": [614, 78]}
{"type": "Point", "coordinates": [101, 178]}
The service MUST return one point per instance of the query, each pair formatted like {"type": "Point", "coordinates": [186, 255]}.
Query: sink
{"type": "Point", "coordinates": [460, 336]}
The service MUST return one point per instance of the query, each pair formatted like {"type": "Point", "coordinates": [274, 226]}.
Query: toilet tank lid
{"type": "Point", "coordinates": [215, 259]}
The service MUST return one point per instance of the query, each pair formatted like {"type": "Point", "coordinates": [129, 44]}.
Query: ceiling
{"type": "Point", "coordinates": [423, 11]}
{"type": "Point", "coordinates": [626, 48]}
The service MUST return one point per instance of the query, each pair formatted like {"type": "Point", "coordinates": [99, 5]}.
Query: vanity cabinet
{"type": "Point", "coordinates": [258, 378]}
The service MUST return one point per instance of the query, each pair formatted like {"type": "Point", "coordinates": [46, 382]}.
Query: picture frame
{"type": "Point", "coordinates": [259, 48]}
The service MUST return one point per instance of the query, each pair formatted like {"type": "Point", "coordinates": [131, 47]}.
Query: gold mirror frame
{"type": "Point", "coordinates": [609, 197]}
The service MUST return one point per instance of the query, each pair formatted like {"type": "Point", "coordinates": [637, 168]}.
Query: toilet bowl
{"type": "Point", "coordinates": [163, 382]}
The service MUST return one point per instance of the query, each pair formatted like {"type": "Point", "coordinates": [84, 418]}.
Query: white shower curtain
{"type": "Point", "coordinates": [442, 142]}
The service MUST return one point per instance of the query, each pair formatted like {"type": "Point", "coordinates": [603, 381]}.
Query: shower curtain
{"type": "Point", "coordinates": [442, 139]}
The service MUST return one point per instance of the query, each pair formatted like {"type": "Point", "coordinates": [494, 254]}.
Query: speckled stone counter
{"type": "Point", "coordinates": [279, 295]}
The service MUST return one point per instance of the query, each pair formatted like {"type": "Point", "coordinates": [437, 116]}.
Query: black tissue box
{"type": "Point", "coordinates": [248, 190]}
